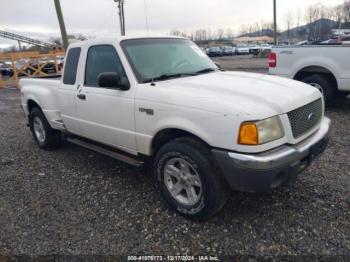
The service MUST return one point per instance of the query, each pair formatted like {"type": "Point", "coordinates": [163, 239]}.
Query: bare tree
{"type": "Point", "coordinates": [56, 40]}
{"type": "Point", "coordinates": [347, 12]}
{"type": "Point", "coordinates": [220, 33]}
{"type": "Point", "coordinates": [80, 37]}
{"type": "Point", "coordinates": [191, 36]}
{"type": "Point", "coordinates": [229, 33]}
{"type": "Point", "coordinates": [257, 28]}
{"type": "Point", "coordinates": [324, 27]}
{"type": "Point", "coordinates": [13, 48]}
{"type": "Point", "coordinates": [200, 35]}
{"type": "Point", "coordinates": [299, 19]}
{"type": "Point", "coordinates": [317, 17]}
{"type": "Point", "coordinates": [289, 19]}
{"type": "Point", "coordinates": [175, 32]}
{"type": "Point", "coordinates": [243, 30]}
{"type": "Point", "coordinates": [338, 13]}
{"type": "Point", "coordinates": [183, 33]}
{"type": "Point", "coordinates": [209, 34]}
{"type": "Point", "coordinates": [311, 16]}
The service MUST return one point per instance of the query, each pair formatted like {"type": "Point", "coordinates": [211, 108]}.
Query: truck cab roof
{"type": "Point", "coordinates": [118, 40]}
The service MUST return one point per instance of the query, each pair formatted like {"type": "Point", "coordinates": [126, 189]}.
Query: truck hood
{"type": "Point", "coordinates": [251, 94]}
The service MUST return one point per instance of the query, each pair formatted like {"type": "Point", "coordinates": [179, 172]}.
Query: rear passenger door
{"type": "Point", "coordinates": [106, 115]}
{"type": "Point", "coordinates": [68, 90]}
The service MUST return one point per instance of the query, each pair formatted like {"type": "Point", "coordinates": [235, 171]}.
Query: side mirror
{"type": "Point", "coordinates": [113, 80]}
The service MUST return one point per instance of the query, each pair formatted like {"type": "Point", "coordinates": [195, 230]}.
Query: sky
{"type": "Point", "coordinates": [37, 18]}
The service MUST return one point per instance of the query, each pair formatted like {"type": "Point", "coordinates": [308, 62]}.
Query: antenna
{"type": "Point", "coordinates": [146, 16]}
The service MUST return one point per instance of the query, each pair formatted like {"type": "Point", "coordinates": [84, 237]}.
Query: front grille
{"type": "Point", "coordinates": [304, 118]}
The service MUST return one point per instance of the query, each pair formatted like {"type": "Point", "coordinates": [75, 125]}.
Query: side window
{"type": "Point", "coordinates": [71, 66]}
{"type": "Point", "coordinates": [102, 59]}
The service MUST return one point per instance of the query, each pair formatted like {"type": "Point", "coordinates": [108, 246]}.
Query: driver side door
{"type": "Point", "coordinates": [106, 115]}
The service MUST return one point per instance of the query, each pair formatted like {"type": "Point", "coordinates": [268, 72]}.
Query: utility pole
{"type": "Point", "coordinates": [274, 22]}
{"type": "Point", "coordinates": [62, 25]}
{"type": "Point", "coordinates": [146, 16]}
{"type": "Point", "coordinates": [121, 16]}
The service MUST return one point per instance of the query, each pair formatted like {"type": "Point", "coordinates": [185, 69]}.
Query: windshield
{"type": "Point", "coordinates": [154, 58]}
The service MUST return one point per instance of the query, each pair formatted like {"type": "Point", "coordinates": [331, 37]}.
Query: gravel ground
{"type": "Point", "coordinates": [77, 202]}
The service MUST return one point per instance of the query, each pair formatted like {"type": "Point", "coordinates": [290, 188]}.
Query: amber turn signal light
{"type": "Point", "coordinates": [248, 134]}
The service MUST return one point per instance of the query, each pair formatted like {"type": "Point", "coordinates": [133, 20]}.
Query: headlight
{"type": "Point", "coordinates": [260, 132]}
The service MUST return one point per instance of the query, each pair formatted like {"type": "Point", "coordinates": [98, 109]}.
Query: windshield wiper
{"type": "Point", "coordinates": [176, 75]}
{"type": "Point", "coordinates": [167, 76]}
{"type": "Point", "coordinates": [205, 70]}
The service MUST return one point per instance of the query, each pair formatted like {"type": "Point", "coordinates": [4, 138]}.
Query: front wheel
{"type": "Point", "coordinates": [189, 180]}
{"type": "Point", "coordinates": [45, 136]}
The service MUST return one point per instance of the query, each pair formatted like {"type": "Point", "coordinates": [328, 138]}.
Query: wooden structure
{"type": "Point", "coordinates": [28, 64]}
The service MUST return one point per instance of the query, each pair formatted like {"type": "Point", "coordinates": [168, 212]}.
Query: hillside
{"type": "Point", "coordinates": [317, 30]}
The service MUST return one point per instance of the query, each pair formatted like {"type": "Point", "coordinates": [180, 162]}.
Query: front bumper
{"type": "Point", "coordinates": [280, 166]}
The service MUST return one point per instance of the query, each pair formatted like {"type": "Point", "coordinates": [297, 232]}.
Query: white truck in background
{"type": "Point", "coordinates": [163, 100]}
{"type": "Point", "coordinates": [324, 67]}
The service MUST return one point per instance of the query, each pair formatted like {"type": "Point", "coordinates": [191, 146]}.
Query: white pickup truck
{"type": "Point", "coordinates": [163, 100]}
{"type": "Point", "coordinates": [324, 67]}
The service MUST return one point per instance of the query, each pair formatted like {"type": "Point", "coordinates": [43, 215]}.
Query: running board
{"type": "Point", "coordinates": [105, 151]}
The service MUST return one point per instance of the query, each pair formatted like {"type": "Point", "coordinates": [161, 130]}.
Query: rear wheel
{"type": "Point", "coordinates": [324, 84]}
{"type": "Point", "coordinates": [343, 94]}
{"type": "Point", "coordinates": [45, 136]}
{"type": "Point", "coordinates": [189, 180]}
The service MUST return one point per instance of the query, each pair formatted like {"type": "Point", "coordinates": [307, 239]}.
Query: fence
{"type": "Point", "coordinates": [15, 65]}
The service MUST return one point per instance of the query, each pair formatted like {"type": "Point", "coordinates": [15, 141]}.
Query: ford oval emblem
{"type": "Point", "coordinates": [311, 116]}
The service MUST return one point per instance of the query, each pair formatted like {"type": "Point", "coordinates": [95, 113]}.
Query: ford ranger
{"type": "Point", "coordinates": [163, 101]}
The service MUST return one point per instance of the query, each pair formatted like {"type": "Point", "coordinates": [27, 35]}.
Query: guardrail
{"type": "Point", "coordinates": [15, 65]}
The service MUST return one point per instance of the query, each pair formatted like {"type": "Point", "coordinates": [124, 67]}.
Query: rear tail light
{"type": "Point", "coordinates": [272, 59]}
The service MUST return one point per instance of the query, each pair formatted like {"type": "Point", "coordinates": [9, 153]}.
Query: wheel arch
{"type": "Point", "coordinates": [31, 103]}
{"type": "Point", "coordinates": [167, 134]}
{"type": "Point", "coordinates": [314, 70]}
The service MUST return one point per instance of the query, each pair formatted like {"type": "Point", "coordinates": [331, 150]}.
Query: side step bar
{"type": "Point", "coordinates": [106, 151]}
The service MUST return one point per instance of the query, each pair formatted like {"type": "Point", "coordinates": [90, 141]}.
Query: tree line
{"type": "Point", "coordinates": [314, 23]}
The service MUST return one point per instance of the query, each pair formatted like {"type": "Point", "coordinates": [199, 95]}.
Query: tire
{"type": "Point", "coordinates": [45, 137]}
{"type": "Point", "coordinates": [324, 84]}
{"type": "Point", "coordinates": [343, 94]}
{"type": "Point", "coordinates": [210, 191]}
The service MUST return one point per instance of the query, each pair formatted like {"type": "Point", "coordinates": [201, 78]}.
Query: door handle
{"type": "Point", "coordinates": [81, 96]}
